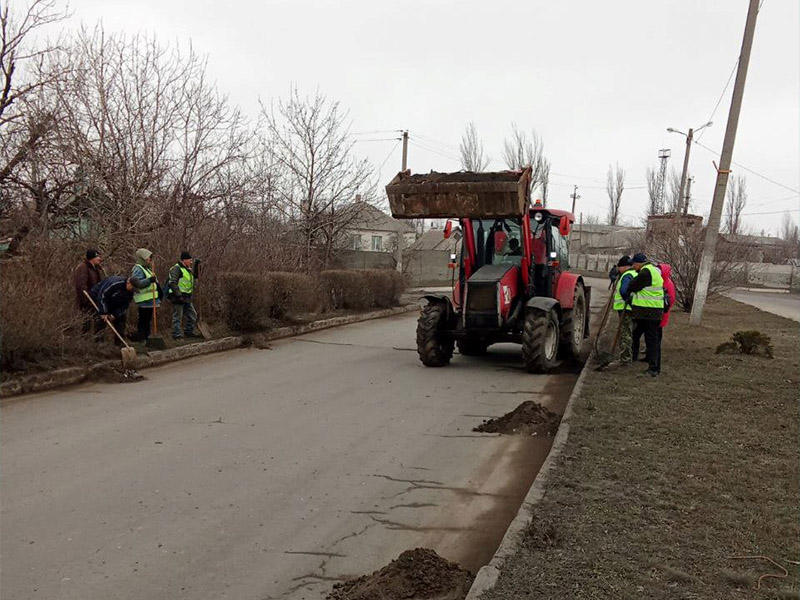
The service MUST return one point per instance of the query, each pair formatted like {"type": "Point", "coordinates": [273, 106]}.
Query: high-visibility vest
{"type": "Point", "coordinates": [619, 302]}
{"type": "Point", "coordinates": [145, 294]}
{"type": "Point", "coordinates": [186, 282]}
{"type": "Point", "coordinates": [653, 295]}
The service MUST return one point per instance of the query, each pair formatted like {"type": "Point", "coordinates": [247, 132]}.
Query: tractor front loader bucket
{"type": "Point", "coordinates": [459, 195]}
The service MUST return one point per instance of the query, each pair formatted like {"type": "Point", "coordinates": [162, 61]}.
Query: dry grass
{"type": "Point", "coordinates": [664, 480]}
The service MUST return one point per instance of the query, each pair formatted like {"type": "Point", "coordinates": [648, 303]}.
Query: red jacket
{"type": "Point", "coordinates": [669, 291]}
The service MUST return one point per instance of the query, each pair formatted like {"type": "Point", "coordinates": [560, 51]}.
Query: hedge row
{"type": "Point", "coordinates": [252, 301]}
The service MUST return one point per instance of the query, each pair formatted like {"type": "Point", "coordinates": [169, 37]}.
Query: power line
{"type": "Point", "coordinates": [435, 142]}
{"type": "Point", "coordinates": [721, 96]}
{"type": "Point", "coordinates": [377, 140]}
{"type": "Point", "coordinates": [741, 166]}
{"type": "Point", "coordinates": [388, 156]}
{"type": "Point", "coordinates": [774, 212]}
{"type": "Point", "coordinates": [376, 131]}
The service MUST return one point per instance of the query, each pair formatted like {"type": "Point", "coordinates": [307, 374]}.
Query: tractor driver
{"type": "Point", "coordinates": [514, 248]}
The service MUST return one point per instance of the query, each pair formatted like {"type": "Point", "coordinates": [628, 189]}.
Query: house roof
{"type": "Point", "coordinates": [752, 240]}
{"type": "Point", "coordinates": [374, 219]}
{"type": "Point", "coordinates": [433, 239]}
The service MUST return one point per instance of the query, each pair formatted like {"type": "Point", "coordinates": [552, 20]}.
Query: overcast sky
{"type": "Point", "coordinates": [601, 81]}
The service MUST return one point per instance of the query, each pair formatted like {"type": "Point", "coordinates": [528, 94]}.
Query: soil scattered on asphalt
{"type": "Point", "coordinates": [529, 418]}
{"type": "Point", "coordinates": [419, 573]}
{"type": "Point", "coordinates": [115, 375]}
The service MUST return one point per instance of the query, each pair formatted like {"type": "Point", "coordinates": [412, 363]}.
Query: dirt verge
{"type": "Point", "coordinates": [683, 486]}
{"type": "Point", "coordinates": [529, 418]}
{"type": "Point", "coordinates": [419, 573]}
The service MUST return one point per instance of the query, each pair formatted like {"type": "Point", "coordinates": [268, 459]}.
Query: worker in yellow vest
{"type": "Point", "coordinates": [181, 287]}
{"type": "Point", "coordinates": [625, 275]}
{"type": "Point", "coordinates": [146, 291]}
{"type": "Point", "coordinates": [646, 296]}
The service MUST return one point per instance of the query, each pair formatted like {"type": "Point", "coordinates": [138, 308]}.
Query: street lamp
{"type": "Point", "coordinates": [684, 208]}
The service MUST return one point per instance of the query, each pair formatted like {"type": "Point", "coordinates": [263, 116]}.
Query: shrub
{"type": "Point", "coordinates": [361, 289]}
{"type": "Point", "coordinates": [248, 301]}
{"type": "Point", "coordinates": [292, 293]}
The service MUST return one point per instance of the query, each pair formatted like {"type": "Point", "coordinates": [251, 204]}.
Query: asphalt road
{"type": "Point", "coordinates": [261, 474]}
{"type": "Point", "coordinates": [784, 305]}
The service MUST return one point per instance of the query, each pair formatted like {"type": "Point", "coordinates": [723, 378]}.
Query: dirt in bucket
{"type": "Point", "coordinates": [415, 574]}
{"type": "Point", "coordinates": [529, 418]}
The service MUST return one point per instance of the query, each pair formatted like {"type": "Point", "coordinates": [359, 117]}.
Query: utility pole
{"type": "Point", "coordinates": [574, 197]}
{"type": "Point", "coordinates": [689, 138]}
{"type": "Point", "coordinates": [712, 229]}
{"type": "Point", "coordinates": [405, 151]}
{"type": "Point", "coordinates": [398, 253]}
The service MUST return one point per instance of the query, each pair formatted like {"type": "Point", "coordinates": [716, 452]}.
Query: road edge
{"type": "Point", "coordinates": [42, 382]}
{"type": "Point", "coordinates": [486, 577]}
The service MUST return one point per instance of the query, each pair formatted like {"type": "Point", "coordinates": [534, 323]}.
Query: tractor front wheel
{"type": "Point", "coordinates": [573, 327]}
{"type": "Point", "coordinates": [540, 338]}
{"type": "Point", "coordinates": [434, 347]}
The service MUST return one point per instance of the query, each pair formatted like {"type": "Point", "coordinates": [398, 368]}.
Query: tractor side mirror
{"type": "Point", "coordinates": [448, 229]}
{"type": "Point", "coordinates": [563, 226]}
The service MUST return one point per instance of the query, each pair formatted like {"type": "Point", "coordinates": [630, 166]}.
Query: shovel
{"type": "Point", "coordinates": [155, 341]}
{"type": "Point", "coordinates": [127, 354]}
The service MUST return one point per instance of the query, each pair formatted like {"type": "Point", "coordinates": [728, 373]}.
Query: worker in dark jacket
{"type": "Point", "coordinates": [645, 293]}
{"type": "Point", "coordinates": [181, 287]}
{"type": "Point", "coordinates": [113, 295]}
{"type": "Point", "coordinates": [88, 274]}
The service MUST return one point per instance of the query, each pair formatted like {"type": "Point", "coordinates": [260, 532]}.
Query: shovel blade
{"type": "Point", "coordinates": [203, 329]}
{"type": "Point", "coordinates": [128, 358]}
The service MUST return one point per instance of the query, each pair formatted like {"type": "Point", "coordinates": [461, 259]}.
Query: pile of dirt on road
{"type": "Point", "coordinates": [529, 418]}
{"type": "Point", "coordinates": [108, 374]}
{"type": "Point", "coordinates": [419, 573]}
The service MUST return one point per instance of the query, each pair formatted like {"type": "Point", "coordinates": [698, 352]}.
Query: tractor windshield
{"type": "Point", "coordinates": [497, 241]}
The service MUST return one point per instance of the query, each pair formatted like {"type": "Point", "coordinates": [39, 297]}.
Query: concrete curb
{"type": "Point", "coordinates": [486, 578]}
{"type": "Point", "coordinates": [72, 375]}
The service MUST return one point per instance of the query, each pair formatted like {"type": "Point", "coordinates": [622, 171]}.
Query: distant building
{"type": "Point", "coordinates": [375, 231]}
{"type": "Point", "coordinates": [434, 239]}
{"type": "Point", "coordinates": [604, 239]}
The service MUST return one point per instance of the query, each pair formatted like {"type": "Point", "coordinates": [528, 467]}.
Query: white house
{"type": "Point", "coordinates": [375, 231]}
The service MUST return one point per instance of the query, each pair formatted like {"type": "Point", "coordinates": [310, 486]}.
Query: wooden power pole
{"type": "Point", "coordinates": [714, 219]}
{"type": "Point", "coordinates": [398, 253]}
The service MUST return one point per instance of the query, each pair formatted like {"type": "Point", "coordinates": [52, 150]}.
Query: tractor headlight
{"type": "Point", "coordinates": [537, 216]}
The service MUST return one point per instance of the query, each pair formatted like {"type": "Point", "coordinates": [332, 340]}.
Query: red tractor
{"type": "Point", "coordinates": [512, 283]}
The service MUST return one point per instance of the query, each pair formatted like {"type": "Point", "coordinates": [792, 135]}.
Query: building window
{"type": "Point", "coordinates": [377, 243]}
{"type": "Point", "coordinates": [355, 242]}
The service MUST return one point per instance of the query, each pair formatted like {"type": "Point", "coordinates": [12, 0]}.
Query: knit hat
{"type": "Point", "coordinates": [185, 255]}
{"type": "Point", "coordinates": [92, 253]}
{"type": "Point", "coordinates": [142, 254]}
{"type": "Point", "coordinates": [639, 257]}
{"type": "Point", "coordinates": [625, 261]}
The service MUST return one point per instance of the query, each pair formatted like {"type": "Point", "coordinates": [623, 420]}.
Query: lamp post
{"type": "Point", "coordinates": [683, 208]}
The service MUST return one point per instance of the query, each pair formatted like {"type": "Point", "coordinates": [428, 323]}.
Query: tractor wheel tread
{"type": "Point", "coordinates": [433, 348]}
{"type": "Point", "coordinates": [568, 348]}
{"type": "Point", "coordinates": [534, 336]}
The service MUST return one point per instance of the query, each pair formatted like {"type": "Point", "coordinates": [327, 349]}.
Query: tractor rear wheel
{"type": "Point", "coordinates": [540, 340]}
{"type": "Point", "coordinates": [435, 349]}
{"type": "Point", "coordinates": [472, 347]}
{"type": "Point", "coordinates": [573, 325]}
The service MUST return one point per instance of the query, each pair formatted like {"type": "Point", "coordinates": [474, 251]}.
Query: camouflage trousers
{"type": "Point", "coordinates": [626, 337]}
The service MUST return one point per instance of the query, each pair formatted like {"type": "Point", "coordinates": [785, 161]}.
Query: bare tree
{"type": "Point", "coordinates": [544, 180]}
{"type": "Point", "coordinates": [735, 203]}
{"type": "Point", "coordinates": [471, 148]}
{"type": "Point", "coordinates": [591, 219]}
{"type": "Point", "coordinates": [615, 185]}
{"type": "Point", "coordinates": [790, 234]}
{"type": "Point", "coordinates": [681, 246]}
{"type": "Point", "coordinates": [17, 81]}
{"type": "Point", "coordinates": [520, 151]}
{"type": "Point", "coordinates": [320, 176]}
{"type": "Point", "coordinates": [654, 201]}
{"type": "Point", "coordinates": [673, 200]}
